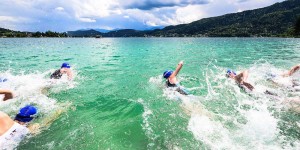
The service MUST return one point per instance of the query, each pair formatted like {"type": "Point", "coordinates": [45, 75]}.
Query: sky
{"type": "Point", "coordinates": [71, 15]}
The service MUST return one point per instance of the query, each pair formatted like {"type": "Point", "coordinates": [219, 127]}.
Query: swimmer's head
{"type": "Point", "coordinates": [167, 73]}
{"type": "Point", "coordinates": [26, 114]}
{"type": "Point", "coordinates": [229, 73]}
{"type": "Point", "coordinates": [2, 79]}
{"type": "Point", "coordinates": [65, 65]}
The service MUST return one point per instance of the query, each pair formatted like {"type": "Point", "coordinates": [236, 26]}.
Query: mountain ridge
{"type": "Point", "coordinates": [278, 20]}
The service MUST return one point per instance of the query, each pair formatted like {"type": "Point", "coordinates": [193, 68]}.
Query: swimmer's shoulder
{"type": "Point", "coordinates": [3, 115]}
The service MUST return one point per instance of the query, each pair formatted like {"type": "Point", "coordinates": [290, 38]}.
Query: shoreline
{"type": "Point", "coordinates": [156, 37]}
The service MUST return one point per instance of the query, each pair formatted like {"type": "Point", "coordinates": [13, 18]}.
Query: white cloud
{"type": "Point", "coordinates": [12, 22]}
{"type": "Point", "coordinates": [59, 9]}
{"type": "Point", "coordinates": [74, 14]}
{"type": "Point", "coordinates": [87, 20]}
{"type": "Point", "coordinates": [106, 27]}
{"type": "Point", "coordinates": [152, 4]}
{"type": "Point", "coordinates": [148, 18]}
{"type": "Point", "coordinates": [189, 13]}
{"type": "Point", "coordinates": [95, 8]}
{"type": "Point", "coordinates": [254, 4]}
{"type": "Point", "coordinates": [8, 19]}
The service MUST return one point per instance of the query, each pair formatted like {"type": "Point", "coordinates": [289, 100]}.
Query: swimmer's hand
{"type": "Point", "coordinates": [180, 63]}
{"type": "Point", "coordinates": [285, 74]}
{"type": "Point", "coordinates": [7, 94]}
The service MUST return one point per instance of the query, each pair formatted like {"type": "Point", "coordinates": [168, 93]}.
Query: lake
{"type": "Point", "coordinates": [118, 99]}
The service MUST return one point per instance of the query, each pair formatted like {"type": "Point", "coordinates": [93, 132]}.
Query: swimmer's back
{"type": "Point", "coordinates": [5, 122]}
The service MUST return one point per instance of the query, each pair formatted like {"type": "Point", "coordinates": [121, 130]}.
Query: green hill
{"type": "Point", "coordinates": [275, 20]}
{"type": "Point", "coordinates": [11, 33]}
{"type": "Point", "coordinates": [84, 33]}
{"type": "Point", "coordinates": [278, 20]}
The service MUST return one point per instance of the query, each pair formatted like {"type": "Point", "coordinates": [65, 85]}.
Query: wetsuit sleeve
{"type": "Point", "coordinates": [56, 75]}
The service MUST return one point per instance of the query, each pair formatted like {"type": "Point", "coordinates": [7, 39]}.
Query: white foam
{"type": "Point", "coordinates": [211, 133]}
{"type": "Point", "coordinates": [146, 123]}
{"type": "Point", "coordinates": [28, 89]}
{"type": "Point", "coordinates": [255, 126]}
{"type": "Point", "coordinates": [260, 131]}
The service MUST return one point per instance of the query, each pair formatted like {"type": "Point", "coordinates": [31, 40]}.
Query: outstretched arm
{"type": "Point", "coordinates": [179, 66]}
{"type": "Point", "coordinates": [292, 71]}
{"type": "Point", "coordinates": [36, 127]}
{"type": "Point", "coordinates": [7, 94]}
{"type": "Point", "coordinates": [248, 85]}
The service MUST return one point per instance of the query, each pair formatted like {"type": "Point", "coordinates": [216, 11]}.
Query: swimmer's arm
{"type": "Point", "coordinates": [248, 85]}
{"type": "Point", "coordinates": [292, 71]}
{"type": "Point", "coordinates": [179, 66]}
{"type": "Point", "coordinates": [70, 74]}
{"type": "Point", "coordinates": [7, 94]}
{"type": "Point", "coordinates": [34, 128]}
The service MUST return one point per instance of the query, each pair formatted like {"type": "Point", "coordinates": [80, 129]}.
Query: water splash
{"type": "Point", "coordinates": [227, 117]}
{"type": "Point", "coordinates": [32, 89]}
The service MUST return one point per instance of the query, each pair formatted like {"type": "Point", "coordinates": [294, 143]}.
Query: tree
{"type": "Point", "coordinates": [297, 27]}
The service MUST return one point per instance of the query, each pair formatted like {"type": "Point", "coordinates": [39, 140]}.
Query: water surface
{"type": "Point", "coordinates": [118, 99]}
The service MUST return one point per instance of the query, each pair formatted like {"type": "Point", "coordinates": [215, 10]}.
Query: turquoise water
{"type": "Point", "coordinates": [118, 100]}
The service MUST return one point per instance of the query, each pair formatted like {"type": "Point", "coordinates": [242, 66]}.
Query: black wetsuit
{"type": "Point", "coordinates": [56, 74]}
{"type": "Point", "coordinates": [178, 89]}
{"type": "Point", "coordinates": [170, 84]}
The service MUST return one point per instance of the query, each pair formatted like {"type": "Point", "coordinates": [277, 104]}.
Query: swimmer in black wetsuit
{"type": "Point", "coordinates": [172, 80]}
{"type": "Point", "coordinates": [65, 69]}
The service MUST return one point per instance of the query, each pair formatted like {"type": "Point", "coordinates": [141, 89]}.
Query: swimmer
{"type": "Point", "coordinates": [15, 130]}
{"type": "Point", "coordinates": [240, 79]}
{"type": "Point", "coordinates": [273, 77]}
{"type": "Point", "coordinates": [288, 73]}
{"type": "Point", "coordinates": [170, 75]}
{"type": "Point", "coordinates": [7, 94]}
{"type": "Point", "coordinates": [64, 69]}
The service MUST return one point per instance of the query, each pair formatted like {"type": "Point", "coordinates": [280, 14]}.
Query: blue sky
{"type": "Point", "coordinates": [70, 15]}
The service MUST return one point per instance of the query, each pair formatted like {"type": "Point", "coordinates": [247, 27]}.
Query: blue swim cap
{"type": "Point", "coordinates": [230, 71]}
{"type": "Point", "coordinates": [3, 79]}
{"type": "Point", "coordinates": [26, 114]}
{"type": "Point", "coordinates": [65, 65]}
{"type": "Point", "coordinates": [167, 73]}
